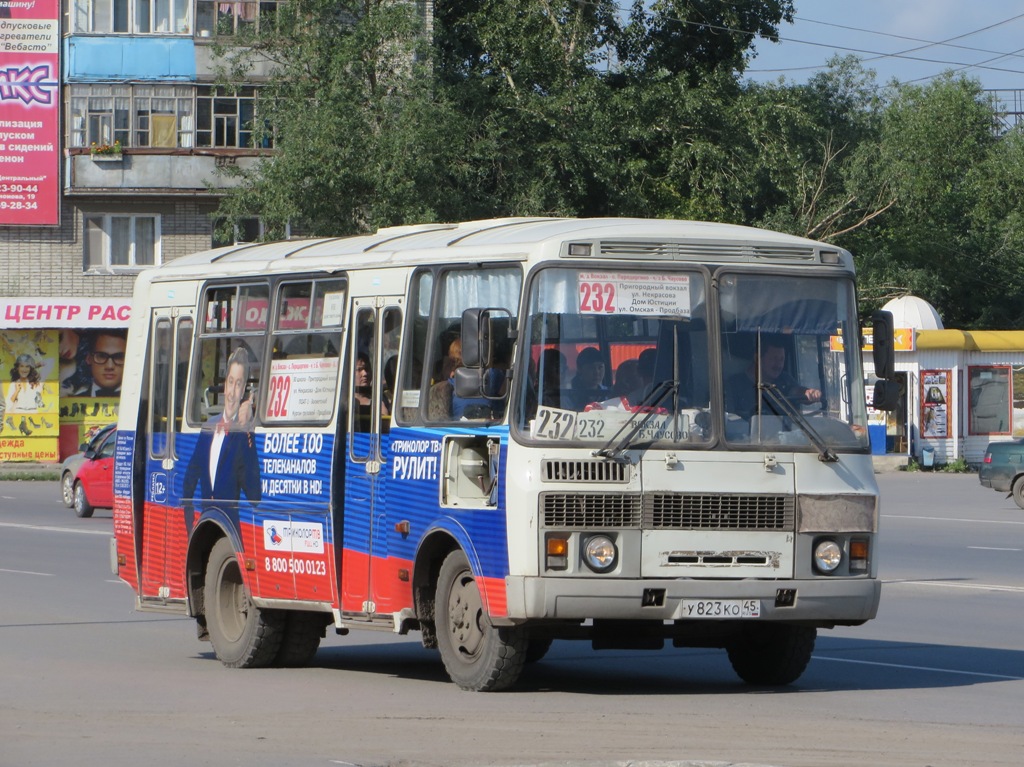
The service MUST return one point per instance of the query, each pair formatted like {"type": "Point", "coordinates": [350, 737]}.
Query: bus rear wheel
{"type": "Point", "coordinates": [300, 638]}
{"type": "Point", "coordinates": [477, 655]}
{"type": "Point", "coordinates": [243, 635]}
{"type": "Point", "coordinates": [773, 655]}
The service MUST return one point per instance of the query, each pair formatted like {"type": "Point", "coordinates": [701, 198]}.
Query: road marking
{"type": "Point", "coordinates": [992, 548]}
{"type": "Point", "coordinates": [921, 668]}
{"type": "Point", "coordinates": [25, 572]}
{"type": "Point", "coordinates": [956, 519]}
{"type": "Point", "coordinates": [952, 585]}
{"type": "Point", "coordinates": [52, 529]}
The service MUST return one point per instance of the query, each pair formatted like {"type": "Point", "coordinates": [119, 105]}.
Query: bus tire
{"type": "Point", "coordinates": [1018, 492]}
{"type": "Point", "coordinates": [243, 635]}
{"type": "Point", "coordinates": [82, 506]}
{"type": "Point", "coordinates": [477, 655]}
{"type": "Point", "coordinates": [300, 639]}
{"type": "Point", "coordinates": [772, 655]}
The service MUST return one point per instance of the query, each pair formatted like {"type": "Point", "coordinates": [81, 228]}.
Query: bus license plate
{"type": "Point", "coordinates": [721, 608]}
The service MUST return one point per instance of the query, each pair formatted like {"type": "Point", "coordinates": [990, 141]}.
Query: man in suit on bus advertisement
{"type": "Point", "coordinates": [224, 464]}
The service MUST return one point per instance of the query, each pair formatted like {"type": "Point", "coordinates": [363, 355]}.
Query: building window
{"type": "Point", "coordinates": [116, 243]}
{"type": "Point", "coordinates": [227, 119]}
{"type": "Point", "coordinates": [990, 399]}
{"type": "Point", "coordinates": [140, 17]}
{"type": "Point", "coordinates": [100, 115]}
{"type": "Point", "coordinates": [230, 19]}
{"type": "Point", "coordinates": [162, 116]}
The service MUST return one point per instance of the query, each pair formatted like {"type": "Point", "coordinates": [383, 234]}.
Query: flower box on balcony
{"type": "Point", "coordinates": [106, 156]}
{"type": "Point", "coordinates": [106, 152]}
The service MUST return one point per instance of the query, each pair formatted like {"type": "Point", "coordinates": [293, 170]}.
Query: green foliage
{"type": "Point", "coordinates": [959, 466]}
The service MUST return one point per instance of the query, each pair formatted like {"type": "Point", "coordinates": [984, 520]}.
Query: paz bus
{"type": "Point", "coordinates": [502, 433]}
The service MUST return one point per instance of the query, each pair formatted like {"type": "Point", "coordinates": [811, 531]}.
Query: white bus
{"type": "Point", "coordinates": [653, 431]}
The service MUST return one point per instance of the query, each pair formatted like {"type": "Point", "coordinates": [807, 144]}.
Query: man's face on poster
{"type": "Point", "coordinates": [106, 360]}
{"type": "Point", "coordinates": [234, 387]}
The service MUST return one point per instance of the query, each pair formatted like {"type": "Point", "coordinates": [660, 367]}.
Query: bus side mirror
{"type": "Point", "coordinates": [883, 354]}
{"type": "Point", "coordinates": [886, 394]}
{"type": "Point", "coordinates": [483, 333]}
{"type": "Point", "coordinates": [476, 338]}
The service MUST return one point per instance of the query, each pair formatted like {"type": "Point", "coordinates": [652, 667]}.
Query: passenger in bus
{"type": "Point", "coordinates": [741, 390]}
{"type": "Point", "coordinates": [224, 463]}
{"type": "Point", "coordinates": [388, 394]}
{"type": "Point", "coordinates": [362, 391]}
{"type": "Point", "coordinates": [588, 384]}
{"type": "Point", "coordinates": [363, 380]}
{"type": "Point", "coordinates": [627, 378]}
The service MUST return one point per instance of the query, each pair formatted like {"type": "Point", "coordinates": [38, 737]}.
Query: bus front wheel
{"type": "Point", "coordinates": [477, 655]}
{"type": "Point", "coordinates": [243, 635]}
{"type": "Point", "coordinates": [773, 655]}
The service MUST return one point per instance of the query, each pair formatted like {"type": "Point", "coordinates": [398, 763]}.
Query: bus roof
{"type": "Point", "coordinates": [614, 238]}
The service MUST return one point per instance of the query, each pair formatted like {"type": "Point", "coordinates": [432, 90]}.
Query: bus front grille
{"type": "Point", "coordinates": [590, 510]}
{"type": "Point", "coordinates": [583, 471]}
{"type": "Point", "coordinates": [706, 511]}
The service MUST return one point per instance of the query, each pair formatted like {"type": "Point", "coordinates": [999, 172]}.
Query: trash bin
{"type": "Point", "coordinates": [928, 457]}
{"type": "Point", "coordinates": [876, 433]}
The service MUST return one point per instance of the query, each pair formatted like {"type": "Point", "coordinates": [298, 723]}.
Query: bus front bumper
{"type": "Point", "coordinates": [818, 601]}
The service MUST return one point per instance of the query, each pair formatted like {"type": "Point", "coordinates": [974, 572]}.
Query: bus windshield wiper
{"type": "Point", "coordinates": [649, 407]}
{"type": "Point", "coordinates": [825, 453]}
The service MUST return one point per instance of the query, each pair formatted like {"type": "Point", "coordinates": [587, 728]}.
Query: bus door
{"type": "Point", "coordinates": [160, 525]}
{"type": "Point", "coordinates": [372, 360]}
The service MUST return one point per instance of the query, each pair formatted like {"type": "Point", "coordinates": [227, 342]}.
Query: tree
{"type": "Point", "coordinates": [697, 38]}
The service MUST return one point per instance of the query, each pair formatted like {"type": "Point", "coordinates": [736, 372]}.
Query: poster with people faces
{"type": "Point", "coordinates": [53, 379]}
{"type": "Point", "coordinates": [934, 403]}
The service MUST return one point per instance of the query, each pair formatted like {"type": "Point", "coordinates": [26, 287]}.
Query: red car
{"type": "Point", "coordinates": [87, 478]}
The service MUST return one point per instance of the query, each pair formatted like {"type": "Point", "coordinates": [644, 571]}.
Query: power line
{"type": "Point", "coordinates": [870, 55]}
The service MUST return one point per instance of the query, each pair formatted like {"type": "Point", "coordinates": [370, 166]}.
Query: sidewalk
{"type": "Point", "coordinates": [27, 469]}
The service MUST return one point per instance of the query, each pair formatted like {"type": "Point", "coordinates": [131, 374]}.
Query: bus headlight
{"type": "Point", "coordinates": [827, 556]}
{"type": "Point", "coordinates": [600, 554]}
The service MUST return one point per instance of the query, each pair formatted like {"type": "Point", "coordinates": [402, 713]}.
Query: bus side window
{"type": "Point", "coordinates": [390, 342]}
{"type": "Point", "coordinates": [411, 388]}
{"type": "Point", "coordinates": [362, 375]}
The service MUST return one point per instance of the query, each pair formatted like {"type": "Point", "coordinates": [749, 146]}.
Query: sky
{"type": "Point", "coordinates": [910, 40]}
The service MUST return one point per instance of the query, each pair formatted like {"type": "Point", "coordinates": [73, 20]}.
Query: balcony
{"type": "Point", "coordinates": [152, 171]}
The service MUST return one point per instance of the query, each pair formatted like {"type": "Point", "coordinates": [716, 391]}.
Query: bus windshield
{"type": "Point", "coordinates": [791, 363]}
{"type": "Point", "coordinates": [621, 358]}
{"type": "Point", "coordinates": [617, 355]}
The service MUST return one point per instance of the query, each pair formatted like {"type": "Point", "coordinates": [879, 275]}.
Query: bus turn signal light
{"type": "Point", "coordinates": [557, 553]}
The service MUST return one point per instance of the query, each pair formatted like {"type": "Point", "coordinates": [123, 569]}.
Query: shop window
{"type": "Point", "coordinates": [989, 391]}
{"type": "Point", "coordinates": [116, 243]}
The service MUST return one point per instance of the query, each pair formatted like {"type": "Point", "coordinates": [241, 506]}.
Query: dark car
{"type": "Point", "coordinates": [1002, 469]}
{"type": "Point", "coordinates": [87, 477]}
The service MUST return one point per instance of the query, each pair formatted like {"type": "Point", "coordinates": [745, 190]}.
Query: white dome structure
{"type": "Point", "coordinates": [913, 312]}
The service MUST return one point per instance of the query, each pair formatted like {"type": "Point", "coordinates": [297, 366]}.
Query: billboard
{"type": "Point", "coordinates": [29, 112]}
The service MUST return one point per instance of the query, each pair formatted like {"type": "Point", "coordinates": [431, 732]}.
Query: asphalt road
{"type": "Point", "coordinates": [936, 679]}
